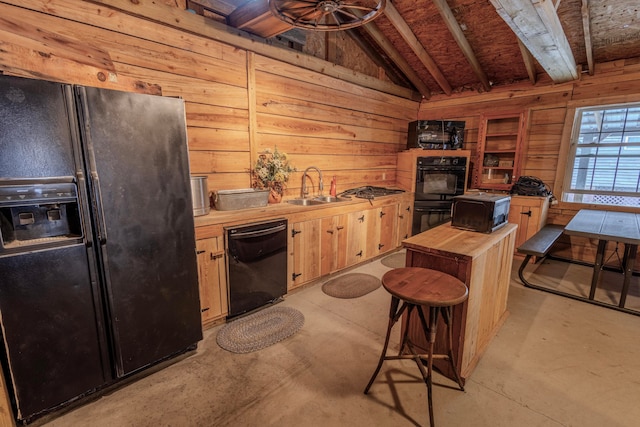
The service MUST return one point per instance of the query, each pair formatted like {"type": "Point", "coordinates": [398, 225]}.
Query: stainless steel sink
{"type": "Point", "coordinates": [329, 199]}
{"type": "Point", "coordinates": [305, 202]}
{"type": "Point", "coordinates": [320, 200]}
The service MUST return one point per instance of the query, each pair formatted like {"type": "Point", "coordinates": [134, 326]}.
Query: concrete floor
{"type": "Point", "coordinates": [555, 362]}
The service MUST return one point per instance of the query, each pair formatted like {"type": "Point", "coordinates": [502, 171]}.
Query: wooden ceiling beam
{"type": "Point", "coordinates": [256, 17]}
{"type": "Point", "coordinates": [463, 43]}
{"type": "Point", "coordinates": [529, 62]}
{"type": "Point", "coordinates": [402, 64]}
{"type": "Point", "coordinates": [586, 27]}
{"type": "Point", "coordinates": [407, 34]}
{"type": "Point", "coordinates": [390, 70]}
{"type": "Point", "coordinates": [537, 25]}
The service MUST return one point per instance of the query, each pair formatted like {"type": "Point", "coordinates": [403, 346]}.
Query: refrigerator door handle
{"type": "Point", "coordinates": [96, 200]}
{"type": "Point", "coordinates": [96, 194]}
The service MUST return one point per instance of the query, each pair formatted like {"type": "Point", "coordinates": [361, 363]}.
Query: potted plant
{"type": "Point", "coordinates": [271, 172]}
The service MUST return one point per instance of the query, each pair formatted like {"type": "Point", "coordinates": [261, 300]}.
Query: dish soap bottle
{"type": "Point", "coordinates": [332, 191]}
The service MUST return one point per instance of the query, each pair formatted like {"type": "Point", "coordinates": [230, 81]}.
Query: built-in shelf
{"type": "Point", "coordinates": [498, 152]}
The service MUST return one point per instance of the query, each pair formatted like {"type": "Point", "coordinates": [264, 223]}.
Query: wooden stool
{"type": "Point", "coordinates": [419, 287]}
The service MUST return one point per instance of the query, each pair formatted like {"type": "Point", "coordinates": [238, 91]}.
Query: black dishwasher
{"type": "Point", "coordinates": [256, 265]}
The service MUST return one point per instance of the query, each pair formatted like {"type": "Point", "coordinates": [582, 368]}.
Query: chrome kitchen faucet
{"type": "Point", "coordinates": [304, 190]}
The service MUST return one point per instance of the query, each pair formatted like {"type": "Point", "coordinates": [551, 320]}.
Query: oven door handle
{"type": "Point", "coordinates": [419, 209]}
{"type": "Point", "coordinates": [258, 233]}
{"type": "Point", "coordinates": [441, 168]}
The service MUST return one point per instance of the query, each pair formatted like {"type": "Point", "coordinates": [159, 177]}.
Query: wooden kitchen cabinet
{"type": "Point", "coordinates": [305, 252]}
{"type": "Point", "coordinates": [530, 214]}
{"type": "Point", "coordinates": [405, 218]}
{"type": "Point", "coordinates": [333, 244]}
{"type": "Point", "coordinates": [498, 153]}
{"type": "Point", "coordinates": [381, 230]}
{"type": "Point", "coordinates": [357, 233]}
{"type": "Point", "coordinates": [212, 279]}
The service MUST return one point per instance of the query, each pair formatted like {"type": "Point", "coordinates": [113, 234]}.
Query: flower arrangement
{"type": "Point", "coordinates": [271, 172]}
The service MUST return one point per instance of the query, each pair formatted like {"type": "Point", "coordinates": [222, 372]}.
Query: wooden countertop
{"type": "Point", "coordinates": [212, 223]}
{"type": "Point", "coordinates": [456, 242]}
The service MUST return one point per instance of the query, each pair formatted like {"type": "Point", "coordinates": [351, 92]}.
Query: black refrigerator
{"type": "Point", "coordinates": [98, 275]}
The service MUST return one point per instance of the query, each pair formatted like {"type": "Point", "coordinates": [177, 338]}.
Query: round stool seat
{"type": "Point", "coordinates": [424, 286]}
{"type": "Point", "coordinates": [419, 290]}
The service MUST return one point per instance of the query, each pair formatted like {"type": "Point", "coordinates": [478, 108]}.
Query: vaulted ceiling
{"type": "Point", "coordinates": [449, 46]}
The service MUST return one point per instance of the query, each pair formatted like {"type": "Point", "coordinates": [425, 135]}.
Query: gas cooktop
{"type": "Point", "coordinates": [369, 192]}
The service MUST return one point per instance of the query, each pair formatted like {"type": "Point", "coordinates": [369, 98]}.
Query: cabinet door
{"type": "Point", "coordinates": [381, 230]}
{"type": "Point", "coordinates": [333, 244]}
{"type": "Point", "coordinates": [405, 216]}
{"type": "Point", "coordinates": [530, 213]}
{"type": "Point", "coordinates": [499, 150]}
{"type": "Point", "coordinates": [357, 227]}
{"type": "Point", "coordinates": [212, 279]}
{"type": "Point", "coordinates": [304, 245]}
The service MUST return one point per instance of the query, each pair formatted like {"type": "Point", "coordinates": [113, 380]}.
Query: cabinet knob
{"type": "Point", "coordinates": [294, 232]}
{"type": "Point", "coordinates": [361, 219]}
{"type": "Point", "coordinates": [340, 227]}
{"type": "Point", "coordinates": [380, 246]}
{"type": "Point", "coordinates": [382, 214]}
{"type": "Point", "coordinates": [359, 253]}
{"type": "Point", "coordinates": [330, 231]}
{"type": "Point", "coordinates": [294, 275]}
{"type": "Point", "coordinates": [528, 213]}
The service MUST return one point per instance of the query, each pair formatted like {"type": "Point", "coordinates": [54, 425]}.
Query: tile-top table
{"type": "Point", "coordinates": [623, 227]}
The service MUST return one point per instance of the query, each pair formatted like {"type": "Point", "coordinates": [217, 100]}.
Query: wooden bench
{"type": "Point", "coordinates": [539, 246]}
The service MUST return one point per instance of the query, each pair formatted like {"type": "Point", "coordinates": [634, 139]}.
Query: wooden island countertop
{"type": "Point", "coordinates": [446, 239]}
{"type": "Point", "coordinates": [481, 261]}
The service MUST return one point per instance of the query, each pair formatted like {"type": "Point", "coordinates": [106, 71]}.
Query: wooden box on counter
{"type": "Point", "coordinates": [483, 263]}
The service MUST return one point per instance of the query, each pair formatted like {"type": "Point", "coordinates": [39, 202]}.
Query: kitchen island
{"type": "Point", "coordinates": [483, 263]}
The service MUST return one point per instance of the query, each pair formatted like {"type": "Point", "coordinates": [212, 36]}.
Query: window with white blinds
{"type": "Point", "coordinates": [604, 163]}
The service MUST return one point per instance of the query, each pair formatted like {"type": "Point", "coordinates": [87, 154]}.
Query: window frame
{"type": "Point", "coordinates": [566, 173]}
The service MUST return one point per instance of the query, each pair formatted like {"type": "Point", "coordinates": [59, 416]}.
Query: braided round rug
{"type": "Point", "coordinates": [259, 330]}
{"type": "Point", "coordinates": [351, 285]}
{"type": "Point", "coordinates": [395, 260]}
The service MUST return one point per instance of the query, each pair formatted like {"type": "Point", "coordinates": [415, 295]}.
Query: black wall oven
{"type": "Point", "coordinates": [438, 180]}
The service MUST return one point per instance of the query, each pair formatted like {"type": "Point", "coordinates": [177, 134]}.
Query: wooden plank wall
{"type": "Point", "coordinates": [546, 142]}
{"type": "Point", "coordinates": [237, 103]}
{"type": "Point", "coordinates": [351, 132]}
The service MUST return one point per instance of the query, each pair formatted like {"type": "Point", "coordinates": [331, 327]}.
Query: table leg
{"type": "Point", "coordinates": [628, 262]}
{"type": "Point", "coordinates": [597, 267]}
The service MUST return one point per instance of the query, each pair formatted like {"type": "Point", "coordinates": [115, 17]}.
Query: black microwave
{"type": "Point", "coordinates": [436, 134]}
{"type": "Point", "coordinates": [480, 212]}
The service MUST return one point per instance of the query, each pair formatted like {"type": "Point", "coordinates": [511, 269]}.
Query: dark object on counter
{"type": "Point", "coordinates": [369, 192]}
{"type": "Point", "coordinates": [98, 274]}
{"type": "Point", "coordinates": [530, 186]}
{"type": "Point", "coordinates": [436, 135]}
{"type": "Point", "coordinates": [480, 212]}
